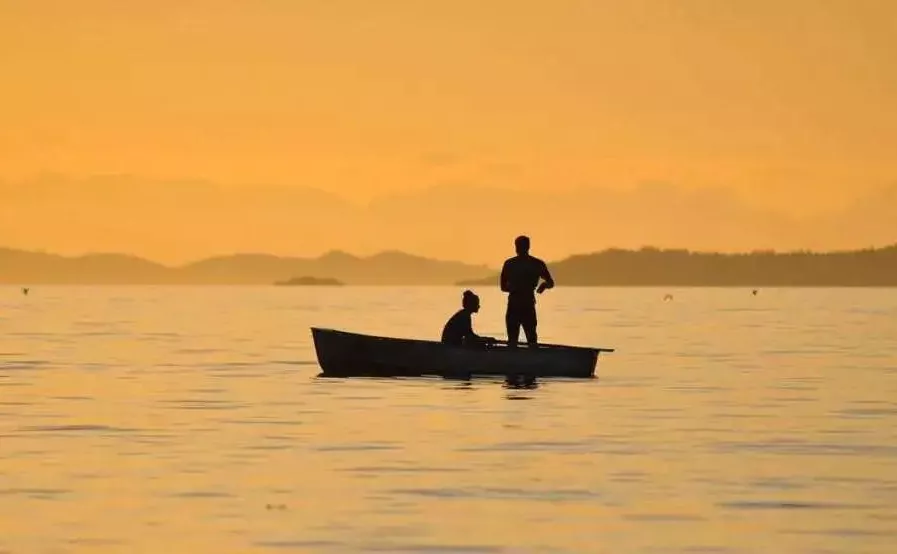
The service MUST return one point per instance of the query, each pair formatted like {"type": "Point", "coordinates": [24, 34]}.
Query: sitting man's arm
{"type": "Point", "coordinates": [468, 332]}
{"type": "Point", "coordinates": [469, 336]}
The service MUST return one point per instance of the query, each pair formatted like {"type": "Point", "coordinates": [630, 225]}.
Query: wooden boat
{"type": "Point", "coordinates": [345, 354]}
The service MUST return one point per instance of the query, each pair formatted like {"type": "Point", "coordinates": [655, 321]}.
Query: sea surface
{"type": "Point", "coordinates": [190, 419]}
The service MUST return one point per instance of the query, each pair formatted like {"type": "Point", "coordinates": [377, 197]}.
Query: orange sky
{"type": "Point", "coordinates": [790, 104]}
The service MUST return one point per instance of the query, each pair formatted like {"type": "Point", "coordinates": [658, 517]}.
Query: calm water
{"type": "Point", "coordinates": [189, 419]}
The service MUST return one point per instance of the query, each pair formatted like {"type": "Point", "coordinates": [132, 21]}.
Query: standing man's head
{"type": "Point", "coordinates": [470, 301]}
{"type": "Point", "coordinates": [521, 244]}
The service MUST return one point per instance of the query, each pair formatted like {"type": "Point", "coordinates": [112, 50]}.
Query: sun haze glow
{"type": "Point", "coordinates": [789, 106]}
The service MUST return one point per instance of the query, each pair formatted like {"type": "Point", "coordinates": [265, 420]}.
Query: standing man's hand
{"type": "Point", "coordinates": [547, 279]}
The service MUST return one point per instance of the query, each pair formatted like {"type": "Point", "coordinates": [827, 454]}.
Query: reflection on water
{"type": "Point", "coordinates": [189, 419]}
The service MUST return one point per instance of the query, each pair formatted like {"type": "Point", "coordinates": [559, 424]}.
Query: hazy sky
{"type": "Point", "coordinates": [790, 104]}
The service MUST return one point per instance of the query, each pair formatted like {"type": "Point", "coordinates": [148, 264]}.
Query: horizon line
{"type": "Point", "coordinates": [337, 251]}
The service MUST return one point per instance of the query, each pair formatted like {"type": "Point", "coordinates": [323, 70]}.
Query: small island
{"type": "Point", "coordinates": [310, 282]}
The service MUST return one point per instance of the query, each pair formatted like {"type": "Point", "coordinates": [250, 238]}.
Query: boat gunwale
{"type": "Point", "coordinates": [546, 347]}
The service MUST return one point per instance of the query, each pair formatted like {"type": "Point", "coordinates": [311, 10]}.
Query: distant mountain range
{"type": "Point", "coordinates": [655, 267]}
{"type": "Point", "coordinates": [385, 268]}
{"type": "Point", "coordinates": [612, 267]}
{"type": "Point", "coordinates": [176, 221]}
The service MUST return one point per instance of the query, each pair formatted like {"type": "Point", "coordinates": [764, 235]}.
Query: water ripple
{"type": "Point", "coordinates": [75, 428]}
{"type": "Point", "coordinates": [298, 544]}
{"type": "Point", "coordinates": [47, 494]}
{"type": "Point", "coordinates": [788, 505]}
{"type": "Point", "coordinates": [497, 493]}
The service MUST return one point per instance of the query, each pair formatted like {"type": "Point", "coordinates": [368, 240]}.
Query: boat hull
{"type": "Point", "coordinates": [345, 354]}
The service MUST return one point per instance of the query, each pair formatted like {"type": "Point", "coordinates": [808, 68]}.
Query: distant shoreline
{"type": "Point", "coordinates": [654, 267]}
{"type": "Point", "coordinates": [646, 267]}
{"type": "Point", "coordinates": [310, 282]}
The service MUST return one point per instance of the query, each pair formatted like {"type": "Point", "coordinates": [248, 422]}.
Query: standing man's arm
{"type": "Point", "coordinates": [547, 280]}
{"type": "Point", "coordinates": [503, 280]}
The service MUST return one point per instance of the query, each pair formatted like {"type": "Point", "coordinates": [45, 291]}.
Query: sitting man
{"type": "Point", "coordinates": [458, 331]}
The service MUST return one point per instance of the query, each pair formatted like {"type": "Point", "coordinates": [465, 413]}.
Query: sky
{"type": "Point", "coordinates": [788, 107]}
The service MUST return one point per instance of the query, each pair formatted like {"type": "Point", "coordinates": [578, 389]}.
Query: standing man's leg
{"type": "Point", "coordinates": [528, 319]}
{"type": "Point", "coordinates": [512, 324]}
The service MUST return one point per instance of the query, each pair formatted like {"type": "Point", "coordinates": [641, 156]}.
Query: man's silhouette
{"type": "Point", "coordinates": [520, 278]}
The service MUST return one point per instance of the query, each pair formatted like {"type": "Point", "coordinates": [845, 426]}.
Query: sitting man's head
{"type": "Point", "coordinates": [470, 301]}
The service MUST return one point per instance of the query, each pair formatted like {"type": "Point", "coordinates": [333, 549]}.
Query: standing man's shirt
{"type": "Point", "coordinates": [520, 276]}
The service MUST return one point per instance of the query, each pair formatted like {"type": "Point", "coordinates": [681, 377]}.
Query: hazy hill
{"type": "Point", "coordinates": [380, 269]}
{"type": "Point", "coordinates": [176, 222]}
{"type": "Point", "coordinates": [18, 266]}
{"type": "Point", "coordinates": [613, 267]}
{"type": "Point", "coordinates": [651, 266]}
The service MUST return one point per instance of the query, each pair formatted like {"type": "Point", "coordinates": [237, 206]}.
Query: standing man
{"type": "Point", "coordinates": [520, 278]}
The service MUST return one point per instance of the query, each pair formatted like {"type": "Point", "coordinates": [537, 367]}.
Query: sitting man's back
{"type": "Point", "coordinates": [458, 329]}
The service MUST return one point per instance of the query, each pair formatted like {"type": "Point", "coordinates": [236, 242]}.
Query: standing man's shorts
{"type": "Point", "coordinates": [521, 313]}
